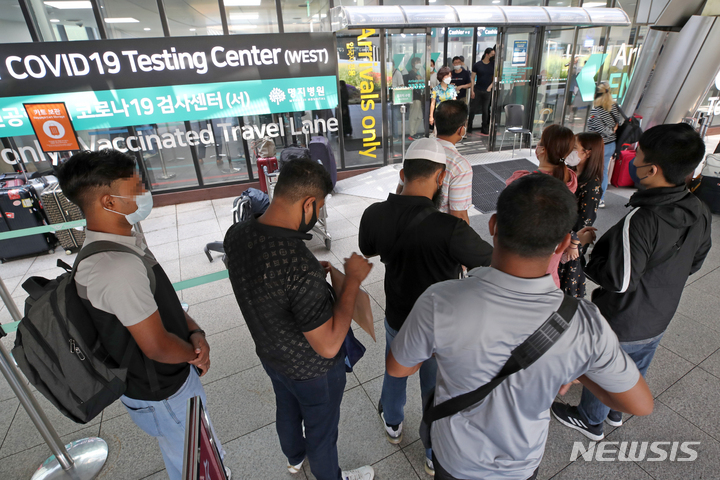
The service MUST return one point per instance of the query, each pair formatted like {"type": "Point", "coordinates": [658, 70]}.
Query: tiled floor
{"type": "Point", "coordinates": [684, 377]}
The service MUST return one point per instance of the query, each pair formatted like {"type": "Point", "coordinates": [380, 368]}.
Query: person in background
{"type": "Point", "coordinates": [419, 246]}
{"type": "Point", "coordinates": [461, 79]}
{"type": "Point", "coordinates": [345, 109]}
{"type": "Point", "coordinates": [398, 81]}
{"type": "Point", "coordinates": [604, 119]}
{"type": "Point", "coordinates": [169, 350]}
{"type": "Point", "coordinates": [288, 307]}
{"type": "Point", "coordinates": [416, 80]}
{"type": "Point", "coordinates": [433, 75]}
{"type": "Point", "coordinates": [643, 262]}
{"type": "Point", "coordinates": [471, 326]}
{"type": "Point", "coordinates": [483, 73]}
{"type": "Point", "coordinates": [456, 196]}
{"type": "Point", "coordinates": [587, 161]}
{"type": "Point", "coordinates": [555, 145]}
{"type": "Point", "coordinates": [442, 92]}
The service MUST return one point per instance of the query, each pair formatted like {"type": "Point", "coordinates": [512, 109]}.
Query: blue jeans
{"type": "Point", "coordinates": [315, 402]}
{"type": "Point", "coordinates": [642, 352]}
{"type": "Point", "coordinates": [394, 390]}
{"type": "Point", "coordinates": [165, 420]}
{"type": "Point", "coordinates": [609, 151]}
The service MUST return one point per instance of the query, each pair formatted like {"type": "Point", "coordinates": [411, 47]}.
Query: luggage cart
{"type": "Point", "coordinates": [320, 227]}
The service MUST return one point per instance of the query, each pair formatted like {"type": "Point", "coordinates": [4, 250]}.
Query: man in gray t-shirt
{"type": "Point", "coordinates": [472, 325]}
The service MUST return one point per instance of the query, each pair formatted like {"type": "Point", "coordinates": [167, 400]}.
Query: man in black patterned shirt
{"type": "Point", "coordinates": [288, 308]}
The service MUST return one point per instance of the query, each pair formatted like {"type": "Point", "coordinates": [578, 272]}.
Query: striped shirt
{"type": "Point", "coordinates": [457, 188]}
{"type": "Point", "coordinates": [603, 122]}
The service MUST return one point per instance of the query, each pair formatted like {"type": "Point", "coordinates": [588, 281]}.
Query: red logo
{"type": "Point", "coordinates": [10, 215]}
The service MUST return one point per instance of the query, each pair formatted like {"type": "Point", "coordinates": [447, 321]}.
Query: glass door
{"type": "Point", "coordinates": [406, 67]}
{"type": "Point", "coordinates": [516, 54]}
{"type": "Point", "coordinates": [552, 80]}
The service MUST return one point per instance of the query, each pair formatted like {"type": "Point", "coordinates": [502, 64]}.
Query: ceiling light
{"type": "Point", "coordinates": [121, 20]}
{"type": "Point", "coordinates": [594, 4]}
{"type": "Point", "coordinates": [244, 16]}
{"type": "Point", "coordinates": [70, 5]}
{"type": "Point", "coordinates": [242, 27]}
{"type": "Point", "coordinates": [242, 3]}
{"type": "Point", "coordinates": [147, 29]}
{"type": "Point", "coordinates": [192, 29]}
{"type": "Point", "coordinates": [496, 1]}
{"type": "Point", "coordinates": [54, 20]}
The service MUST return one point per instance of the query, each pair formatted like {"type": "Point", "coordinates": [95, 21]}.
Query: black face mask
{"type": "Point", "coordinates": [306, 227]}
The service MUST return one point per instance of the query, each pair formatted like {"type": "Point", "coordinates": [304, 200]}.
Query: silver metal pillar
{"type": "Point", "coordinates": [647, 57]}
{"type": "Point", "coordinates": [686, 67]}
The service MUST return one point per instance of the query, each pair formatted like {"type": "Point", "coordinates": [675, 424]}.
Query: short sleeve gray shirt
{"type": "Point", "coordinates": [117, 282]}
{"type": "Point", "coordinates": [471, 326]}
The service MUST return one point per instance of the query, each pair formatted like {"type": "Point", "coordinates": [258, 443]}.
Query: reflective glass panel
{"type": "Point", "coordinates": [200, 17]}
{"type": "Point", "coordinates": [129, 19]}
{"type": "Point", "coordinates": [251, 16]}
{"type": "Point", "coordinates": [12, 23]}
{"type": "Point", "coordinates": [65, 21]}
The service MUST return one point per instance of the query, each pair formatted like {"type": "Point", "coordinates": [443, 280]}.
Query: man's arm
{"type": "Point", "coordinates": [327, 339]}
{"type": "Point", "coordinates": [200, 345]}
{"type": "Point", "coordinates": [365, 242]}
{"type": "Point", "coordinates": [468, 249]}
{"type": "Point", "coordinates": [160, 345]}
{"type": "Point", "coordinates": [636, 401]}
{"type": "Point", "coordinates": [396, 370]}
{"type": "Point", "coordinates": [704, 248]}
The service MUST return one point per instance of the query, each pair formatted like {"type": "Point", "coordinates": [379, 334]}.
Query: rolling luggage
{"type": "Point", "coordinates": [621, 173]}
{"type": "Point", "coordinates": [271, 164]}
{"type": "Point", "coordinates": [60, 210]}
{"type": "Point", "coordinates": [20, 208]}
{"type": "Point", "coordinates": [320, 150]}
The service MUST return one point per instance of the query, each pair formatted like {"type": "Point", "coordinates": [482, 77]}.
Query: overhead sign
{"type": "Point", "coordinates": [114, 83]}
{"type": "Point", "coordinates": [52, 126]}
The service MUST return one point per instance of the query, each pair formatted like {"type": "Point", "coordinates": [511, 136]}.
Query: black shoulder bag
{"type": "Point", "coordinates": [521, 358]}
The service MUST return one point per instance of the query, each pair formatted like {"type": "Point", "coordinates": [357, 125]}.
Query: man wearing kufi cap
{"type": "Point", "coordinates": [419, 246]}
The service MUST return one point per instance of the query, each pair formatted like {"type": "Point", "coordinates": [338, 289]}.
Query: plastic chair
{"type": "Point", "coordinates": [514, 121]}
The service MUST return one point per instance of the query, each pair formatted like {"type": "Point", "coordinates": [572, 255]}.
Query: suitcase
{"type": "Point", "coordinates": [20, 208]}
{"type": "Point", "coordinates": [320, 150]}
{"type": "Point", "coordinates": [272, 165]}
{"type": "Point", "coordinates": [60, 210]}
{"type": "Point", "coordinates": [621, 173]}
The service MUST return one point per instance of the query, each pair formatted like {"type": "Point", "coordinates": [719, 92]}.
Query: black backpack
{"type": "Point", "coordinates": [628, 133]}
{"type": "Point", "coordinates": [57, 345]}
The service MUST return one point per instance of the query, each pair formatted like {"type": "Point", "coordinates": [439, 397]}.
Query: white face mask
{"type": "Point", "coordinates": [458, 67]}
{"type": "Point", "coordinates": [447, 80]}
{"type": "Point", "coordinates": [573, 160]}
{"type": "Point", "coordinates": [144, 204]}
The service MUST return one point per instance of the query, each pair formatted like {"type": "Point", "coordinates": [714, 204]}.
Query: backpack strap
{"type": "Point", "coordinates": [521, 357]}
{"type": "Point", "coordinates": [108, 246]}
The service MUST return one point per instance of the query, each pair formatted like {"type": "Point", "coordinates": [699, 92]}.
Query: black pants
{"type": "Point", "coordinates": [481, 106]}
{"type": "Point", "coordinates": [442, 474]}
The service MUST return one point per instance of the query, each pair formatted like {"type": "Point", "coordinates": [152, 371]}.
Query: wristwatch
{"type": "Point", "coordinates": [197, 330]}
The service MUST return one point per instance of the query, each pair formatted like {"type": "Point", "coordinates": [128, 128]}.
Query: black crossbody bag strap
{"type": "Point", "coordinates": [521, 357]}
{"type": "Point", "coordinates": [417, 220]}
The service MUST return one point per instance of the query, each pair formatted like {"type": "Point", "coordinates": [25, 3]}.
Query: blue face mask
{"type": "Point", "coordinates": [144, 207]}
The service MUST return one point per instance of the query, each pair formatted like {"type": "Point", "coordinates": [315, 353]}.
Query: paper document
{"type": "Point", "coordinates": [363, 311]}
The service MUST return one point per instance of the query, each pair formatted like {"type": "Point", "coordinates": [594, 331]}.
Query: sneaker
{"type": "Point", "coordinates": [362, 473]}
{"type": "Point", "coordinates": [295, 468]}
{"type": "Point", "coordinates": [394, 433]}
{"type": "Point", "coordinates": [570, 417]}
{"type": "Point", "coordinates": [614, 418]}
{"type": "Point", "coordinates": [602, 204]}
{"type": "Point", "coordinates": [429, 466]}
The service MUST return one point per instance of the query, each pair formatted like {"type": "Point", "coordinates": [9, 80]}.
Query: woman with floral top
{"type": "Point", "coordinates": [443, 91]}
{"type": "Point", "coordinates": [587, 160]}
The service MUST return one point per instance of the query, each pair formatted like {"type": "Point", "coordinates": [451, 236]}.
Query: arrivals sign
{"type": "Point", "coordinates": [115, 83]}
{"type": "Point", "coordinates": [52, 126]}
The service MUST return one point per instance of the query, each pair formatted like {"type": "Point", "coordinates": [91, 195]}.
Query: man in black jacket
{"type": "Point", "coordinates": [419, 246]}
{"type": "Point", "coordinates": [642, 263]}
